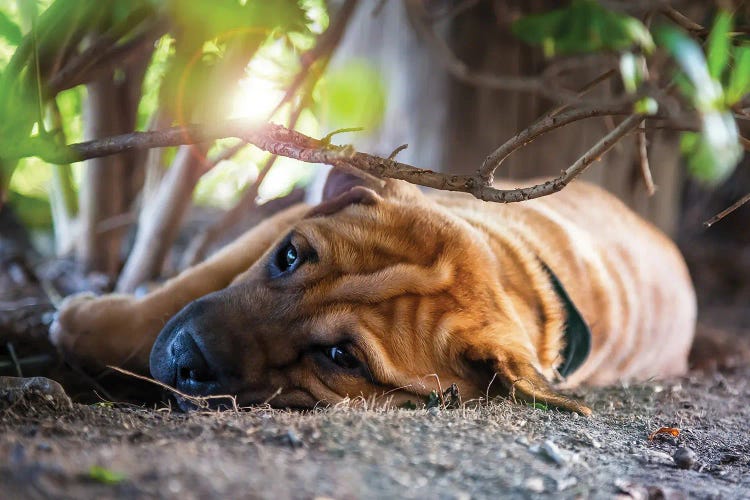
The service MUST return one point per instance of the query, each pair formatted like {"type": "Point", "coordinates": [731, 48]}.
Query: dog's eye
{"type": "Point", "coordinates": [341, 357]}
{"type": "Point", "coordinates": [287, 258]}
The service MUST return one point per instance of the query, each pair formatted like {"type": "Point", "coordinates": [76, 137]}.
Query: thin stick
{"type": "Point", "coordinates": [648, 180]}
{"type": "Point", "coordinates": [716, 218]}
{"type": "Point", "coordinates": [683, 21]}
{"type": "Point", "coordinates": [493, 161]}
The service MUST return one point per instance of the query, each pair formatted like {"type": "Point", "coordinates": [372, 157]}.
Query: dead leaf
{"type": "Point", "coordinates": [672, 431]}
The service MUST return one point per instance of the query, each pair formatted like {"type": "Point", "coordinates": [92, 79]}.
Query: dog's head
{"type": "Point", "coordinates": [378, 294]}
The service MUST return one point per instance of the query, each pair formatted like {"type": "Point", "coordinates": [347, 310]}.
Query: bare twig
{"type": "Point", "coordinates": [683, 21]}
{"type": "Point", "coordinates": [584, 90]}
{"type": "Point", "coordinates": [648, 180]}
{"type": "Point", "coordinates": [491, 164]}
{"type": "Point", "coordinates": [396, 151]}
{"type": "Point", "coordinates": [605, 144]}
{"type": "Point", "coordinates": [541, 126]}
{"type": "Point", "coordinates": [103, 53]}
{"type": "Point", "coordinates": [544, 84]}
{"type": "Point", "coordinates": [225, 154]}
{"type": "Point", "coordinates": [716, 218]}
{"type": "Point", "coordinates": [420, 20]}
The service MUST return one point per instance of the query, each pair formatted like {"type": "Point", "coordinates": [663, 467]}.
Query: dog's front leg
{"type": "Point", "coordinates": [119, 329]}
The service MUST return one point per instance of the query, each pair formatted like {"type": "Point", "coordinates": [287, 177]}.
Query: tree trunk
{"type": "Point", "coordinates": [102, 193]}
{"type": "Point", "coordinates": [110, 184]}
{"type": "Point", "coordinates": [160, 219]}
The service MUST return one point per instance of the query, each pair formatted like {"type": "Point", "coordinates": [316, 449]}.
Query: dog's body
{"type": "Point", "coordinates": [393, 292]}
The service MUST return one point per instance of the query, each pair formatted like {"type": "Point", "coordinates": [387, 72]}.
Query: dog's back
{"type": "Point", "coordinates": [627, 278]}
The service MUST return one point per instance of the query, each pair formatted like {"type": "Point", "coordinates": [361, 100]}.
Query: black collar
{"type": "Point", "coordinates": [577, 333]}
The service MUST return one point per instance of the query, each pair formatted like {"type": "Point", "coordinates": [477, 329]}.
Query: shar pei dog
{"type": "Point", "coordinates": [385, 293]}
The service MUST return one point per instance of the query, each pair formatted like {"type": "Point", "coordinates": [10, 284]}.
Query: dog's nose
{"type": "Point", "coordinates": [192, 373]}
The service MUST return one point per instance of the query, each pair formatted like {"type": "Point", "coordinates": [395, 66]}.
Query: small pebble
{"type": "Point", "coordinates": [553, 452]}
{"type": "Point", "coordinates": [684, 458]}
{"type": "Point", "coordinates": [535, 484]}
{"type": "Point", "coordinates": [293, 439]}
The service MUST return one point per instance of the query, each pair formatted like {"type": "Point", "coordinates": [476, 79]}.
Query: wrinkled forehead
{"type": "Point", "coordinates": [368, 238]}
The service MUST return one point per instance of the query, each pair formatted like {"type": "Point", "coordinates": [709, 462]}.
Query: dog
{"type": "Point", "coordinates": [384, 293]}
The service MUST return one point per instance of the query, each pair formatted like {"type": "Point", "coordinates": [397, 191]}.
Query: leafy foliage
{"type": "Point", "coordinates": [9, 30]}
{"type": "Point", "coordinates": [711, 81]}
{"type": "Point", "coordinates": [583, 26]}
{"type": "Point", "coordinates": [712, 87]}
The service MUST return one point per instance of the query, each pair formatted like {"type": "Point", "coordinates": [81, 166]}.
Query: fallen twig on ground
{"type": "Point", "coordinates": [199, 401]}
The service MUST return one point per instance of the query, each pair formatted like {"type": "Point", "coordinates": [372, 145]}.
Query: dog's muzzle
{"type": "Point", "coordinates": [186, 356]}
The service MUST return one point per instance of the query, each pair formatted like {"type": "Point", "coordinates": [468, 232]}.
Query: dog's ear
{"type": "Point", "coordinates": [518, 378]}
{"type": "Point", "coordinates": [339, 182]}
{"type": "Point", "coordinates": [341, 190]}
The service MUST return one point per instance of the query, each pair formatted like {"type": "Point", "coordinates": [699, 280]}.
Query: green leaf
{"type": "Point", "coordinates": [583, 26]}
{"type": "Point", "coordinates": [105, 476]}
{"type": "Point", "coordinates": [646, 106]}
{"type": "Point", "coordinates": [352, 96]}
{"type": "Point", "coordinates": [719, 43]}
{"type": "Point", "coordinates": [33, 211]}
{"type": "Point", "coordinates": [10, 30]}
{"type": "Point", "coordinates": [739, 79]}
{"type": "Point", "coordinates": [630, 70]}
{"type": "Point", "coordinates": [712, 154]}
{"type": "Point", "coordinates": [706, 93]}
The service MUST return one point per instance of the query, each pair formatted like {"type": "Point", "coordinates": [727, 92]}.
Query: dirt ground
{"type": "Point", "coordinates": [51, 450]}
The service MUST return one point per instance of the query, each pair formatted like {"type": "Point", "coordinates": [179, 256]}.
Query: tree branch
{"type": "Point", "coordinates": [282, 141]}
{"type": "Point", "coordinates": [420, 20]}
{"type": "Point", "coordinates": [545, 124]}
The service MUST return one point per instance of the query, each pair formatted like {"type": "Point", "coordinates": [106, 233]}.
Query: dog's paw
{"type": "Point", "coordinates": [63, 331]}
{"type": "Point", "coordinates": [94, 331]}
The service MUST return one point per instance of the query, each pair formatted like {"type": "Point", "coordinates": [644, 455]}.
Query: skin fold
{"type": "Point", "coordinates": [393, 294]}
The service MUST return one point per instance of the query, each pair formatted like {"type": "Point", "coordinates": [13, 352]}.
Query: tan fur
{"type": "Point", "coordinates": [436, 289]}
